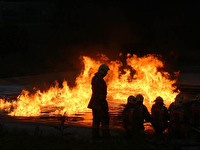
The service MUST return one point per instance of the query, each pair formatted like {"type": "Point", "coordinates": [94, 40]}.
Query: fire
{"type": "Point", "coordinates": [145, 80]}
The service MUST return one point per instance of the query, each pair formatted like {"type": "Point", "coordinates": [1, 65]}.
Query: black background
{"type": "Point", "coordinates": [43, 37]}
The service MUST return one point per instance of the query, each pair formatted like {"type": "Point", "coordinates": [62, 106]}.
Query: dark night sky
{"type": "Point", "coordinates": [41, 36]}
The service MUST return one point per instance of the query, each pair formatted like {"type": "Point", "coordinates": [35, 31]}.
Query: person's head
{"type": "Point", "coordinates": [159, 101]}
{"type": "Point", "coordinates": [103, 69]}
{"type": "Point", "coordinates": [198, 97]}
{"type": "Point", "coordinates": [139, 99]}
{"type": "Point", "coordinates": [179, 100]}
{"type": "Point", "coordinates": [131, 99]}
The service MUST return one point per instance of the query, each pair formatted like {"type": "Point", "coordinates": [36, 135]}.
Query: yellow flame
{"type": "Point", "coordinates": [147, 81]}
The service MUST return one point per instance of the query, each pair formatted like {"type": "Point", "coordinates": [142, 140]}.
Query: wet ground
{"type": "Point", "coordinates": [189, 84]}
{"type": "Point", "coordinates": [29, 135]}
{"type": "Point", "coordinates": [74, 132]}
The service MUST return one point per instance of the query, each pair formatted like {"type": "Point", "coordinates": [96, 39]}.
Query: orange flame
{"type": "Point", "coordinates": [147, 81]}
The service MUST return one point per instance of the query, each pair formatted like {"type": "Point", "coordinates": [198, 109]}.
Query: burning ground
{"type": "Point", "coordinates": [138, 75]}
{"type": "Point", "coordinates": [142, 75]}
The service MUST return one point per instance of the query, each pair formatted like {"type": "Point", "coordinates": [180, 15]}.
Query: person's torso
{"type": "Point", "coordinates": [99, 87]}
{"type": "Point", "coordinates": [158, 112]}
{"type": "Point", "coordinates": [131, 113]}
{"type": "Point", "coordinates": [177, 114]}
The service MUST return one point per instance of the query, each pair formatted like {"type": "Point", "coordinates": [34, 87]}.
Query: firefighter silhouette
{"type": "Point", "coordinates": [178, 118]}
{"type": "Point", "coordinates": [98, 103]}
{"type": "Point", "coordinates": [131, 115]}
{"type": "Point", "coordinates": [142, 111]}
{"type": "Point", "coordinates": [159, 116]}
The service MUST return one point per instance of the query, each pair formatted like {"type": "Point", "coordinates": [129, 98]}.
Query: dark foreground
{"type": "Point", "coordinates": [22, 136]}
{"type": "Point", "coordinates": [18, 135]}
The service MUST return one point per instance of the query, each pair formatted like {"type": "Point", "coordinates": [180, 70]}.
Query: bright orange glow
{"type": "Point", "coordinates": [146, 80]}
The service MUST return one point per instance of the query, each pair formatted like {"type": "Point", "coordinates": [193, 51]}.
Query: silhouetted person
{"type": "Point", "coordinates": [131, 116]}
{"type": "Point", "coordinates": [98, 103]}
{"type": "Point", "coordinates": [178, 118]}
{"type": "Point", "coordinates": [159, 116]}
{"type": "Point", "coordinates": [143, 111]}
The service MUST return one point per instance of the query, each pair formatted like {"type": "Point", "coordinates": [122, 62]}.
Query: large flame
{"type": "Point", "coordinates": [140, 77]}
